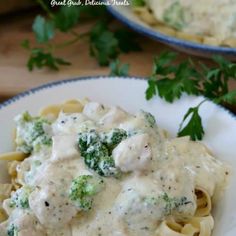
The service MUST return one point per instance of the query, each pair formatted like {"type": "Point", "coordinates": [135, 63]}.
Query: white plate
{"type": "Point", "coordinates": [220, 125]}
{"type": "Point", "coordinates": [127, 16]}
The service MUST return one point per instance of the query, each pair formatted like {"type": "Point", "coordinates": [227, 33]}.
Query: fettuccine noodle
{"type": "Point", "coordinates": [153, 185]}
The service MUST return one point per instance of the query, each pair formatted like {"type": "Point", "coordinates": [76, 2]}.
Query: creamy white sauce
{"type": "Point", "coordinates": [215, 18]}
{"type": "Point", "coordinates": [64, 147]}
{"type": "Point", "coordinates": [132, 204]}
{"type": "Point", "coordinates": [133, 154]}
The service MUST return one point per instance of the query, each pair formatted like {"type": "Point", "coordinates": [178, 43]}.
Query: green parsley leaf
{"type": "Point", "coordinates": [44, 29]}
{"type": "Point", "coordinates": [151, 90]}
{"type": "Point", "coordinates": [216, 79]}
{"type": "Point", "coordinates": [39, 59]}
{"type": "Point", "coordinates": [138, 3]}
{"type": "Point", "coordinates": [93, 11]}
{"type": "Point", "coordinates": [163, 64]}
{"type": "Point", "coordinates": [25, 44]}
{"type": "Point", "coordinates": [194, 127]}
{"type": "Point", "coordinates": [118, 69]}
{"type": "Point", "coordinates": [171, 81]}
{"type": "Point", "coordinates": [127, 41]}
{"type": "Point", "coordinates": [229, 98]}
{"type": "Point", "coordinates": [66, 18]}
{"type": "Point", "coordinates": [215, 83]}
{"type": "Point", "coordinates": [227, 67]}
{"type": "Point", "coordinates": [103, 44]}
{"type": "Point", "coordinates": [183, 81]}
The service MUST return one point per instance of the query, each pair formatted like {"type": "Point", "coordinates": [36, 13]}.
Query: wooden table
{"type": "Point", "coordinates": [15, 78]}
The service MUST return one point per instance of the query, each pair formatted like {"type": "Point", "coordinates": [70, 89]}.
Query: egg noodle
{"type": "Point", "coordinates": [146, 14]}
{"type": "Point", "coordinates": [157, 185]}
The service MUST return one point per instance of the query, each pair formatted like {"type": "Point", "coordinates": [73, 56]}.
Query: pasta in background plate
{"type": "Point", "coordinates": [82, 168]}
{"type": "Point", "coordinates": [208, 22]}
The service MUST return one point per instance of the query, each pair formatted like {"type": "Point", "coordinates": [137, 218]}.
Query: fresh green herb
{"type": "Point", "coordinates": [194, 127]}
{"type": "Point", "coordinates": [173, 203]}
{"type": "Point", "coordinates": [151, 91]}
{"type": "Point", "coordinates": [127, 41]}
{"type": "Point", "coordinates": [83, 189]}
{"type": "Point", "coordinates": [105, 44]}
{"type": "Point", "coordinates": [216, 81]}
{"type": "Point", "coordinates": [39, 59]}
{"type": "Point", "coordinates": [229, 98]}
{"type": "Point", "coordinates": [66, 18]}
{"type": "Point", "coordinates": [31, 134]}
{"type": "Point", "coordinates": [138, 3]}
{"type": "Point", "coordinates": [118, 69]}
{"type": "Point", "coordinates": [12, 230]}
{"type": "Point", "coordinates": [169, 203]}
{"type": "Point", "coordinates": [43, 29]}
{"type": "Point", "coordinates": [170, 81]}
{"type": "Point", "coordinates": [25, 44]}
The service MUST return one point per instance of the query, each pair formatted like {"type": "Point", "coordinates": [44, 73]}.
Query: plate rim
{"type": "Point", "coordinates": [61, 83]}
{"type": "Point", "coordinates": [171, 41]}
{"type": "Point", "coordinates": [56, 83]}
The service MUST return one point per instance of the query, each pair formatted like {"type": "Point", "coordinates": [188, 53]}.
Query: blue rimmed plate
{"type": "Point", "coordinates": [127, 16]}
{"type": "Point", "coordinates": [219, 125]}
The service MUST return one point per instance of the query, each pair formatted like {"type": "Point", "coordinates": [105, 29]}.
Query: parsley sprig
{"type": "Point", "coordinates": [170, 81]}
{"type": "Point", "coordinates": [194, 127]}
{"type": "Point", "coordinates": [119, 69]}
{"type": "Point", "coordinates": [105, 43]}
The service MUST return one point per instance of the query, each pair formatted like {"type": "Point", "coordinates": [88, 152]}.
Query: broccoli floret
{"type": "Point", "coordinates": [93, 156]}
{"type": "Point", "coordinates": [44, 140]}
{"type": "Point", "coordinates": [12, 230]}
{"type": "Point", "coordinates": [87, 139]}
{"type": "Point", "coordinates": [83, 189]}
{"type": "Point", "coordinates": [31, 134]}
{"type": "Point", "coordinates": [97, 152]}
{"type": "Point", "coordinates": [149, 118]}
{"type": "Point", "coordinates": [113, 138]}
{"type": "Point", "coordinates": [175, 16]}
{"type": "Point", "coordinates": [107, 166]}
{"type": "Point", "coordinates": [20, 199]}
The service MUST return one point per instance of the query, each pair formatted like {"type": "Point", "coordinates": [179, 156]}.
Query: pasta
{"type": "Point", "coordinates": [68, 107]}
{"type": "Point", "coordinates": [82, 168]}
{"type": "Point", "coordinates": [13, 156]}
{"type": "Point", "coordinates": [191, 20]}
{"type": "Point", "coordinates": [198, 225]}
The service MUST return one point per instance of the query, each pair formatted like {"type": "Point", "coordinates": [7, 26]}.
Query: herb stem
{"type": "Point", "coordinates": [74, 33]}
{"type": "Point", "coordinates": [201, 102]}
{"type": "Point", "coordinates": [45, 8]}
{"type": "Point", "coordinates": [80, 36]}
{"type": "Point", "coordinates": [74, 40]}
